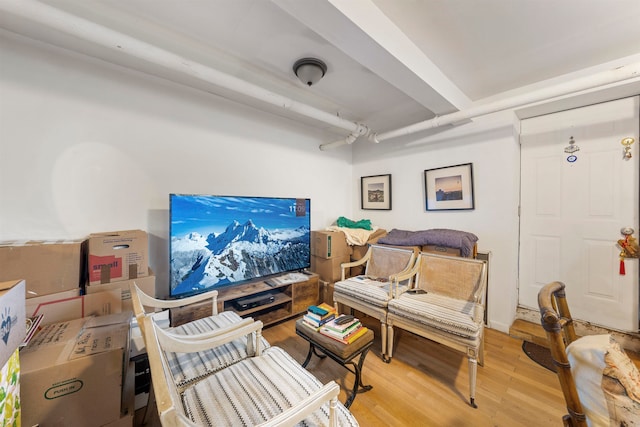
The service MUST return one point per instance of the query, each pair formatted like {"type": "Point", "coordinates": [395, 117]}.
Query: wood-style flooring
{"type": "Point", "coordinates": [426, 384]}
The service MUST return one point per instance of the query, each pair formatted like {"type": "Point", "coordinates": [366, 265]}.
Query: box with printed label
{"type": "Point", "coordinates": [71, 305]}
{"type": "Point", "coordinates": [47, 267]}
{"type": "Point", "coordinates": [147, 284]}
{"type": "Point", "coordinates": [329, 244]}
{"type": "Point", "coordinates": [13, 318]}
{"type": "Point", "coordinates": [73, 372]}
{"type": "Point", "coordinates": [117, 255]}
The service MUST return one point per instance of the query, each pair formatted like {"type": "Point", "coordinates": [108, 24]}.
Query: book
{"type": "Point", "coordinates": [340, 334]}
{"type": "Point", "coordinates": [341, 328]}
{"type": "Point", "coordinates": [317, 323]}
{"type": "Point", "coordinates": [329, 308]}
{"type": "Point", "coordinates": [321, 312]}
{"type": "Point", "coordinates": [309, 325]}
{"type": "Point", "coordinates": [351, 337]}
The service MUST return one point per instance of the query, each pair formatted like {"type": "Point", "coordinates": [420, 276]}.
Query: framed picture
{"type": "Point", "coordinates": [449, 188]}
{"type": "Point", "coordinates": [376, 192]}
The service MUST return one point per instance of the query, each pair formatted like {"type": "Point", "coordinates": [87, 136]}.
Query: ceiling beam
{"type": "Point", "coordinates": [363, 32]}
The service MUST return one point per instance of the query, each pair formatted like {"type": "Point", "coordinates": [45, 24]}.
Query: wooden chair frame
{"type": "Point", "coordinates": [356, 304]}
{"type": "Point", "coordinates": [473, 350]}
{"type": "Point", "coordinates": [558, 325]}
{"type": "Point", "coordinates": [168, 399]}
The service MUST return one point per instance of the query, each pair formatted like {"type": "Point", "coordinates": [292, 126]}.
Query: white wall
{"type": "Point", "coordinates": [490, 144]}
{"type": "Point", "coordinates": [89, 147]}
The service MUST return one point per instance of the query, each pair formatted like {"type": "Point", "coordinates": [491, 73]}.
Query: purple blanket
{"type": "Point", "coordinates": [438, 236]}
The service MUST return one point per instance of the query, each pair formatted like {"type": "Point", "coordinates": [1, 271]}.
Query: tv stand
{"type": "Point", "coordinates": [269, 303]}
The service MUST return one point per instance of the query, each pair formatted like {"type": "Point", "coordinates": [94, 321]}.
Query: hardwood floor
{"type": "Point", "coordinates": [426, 384]}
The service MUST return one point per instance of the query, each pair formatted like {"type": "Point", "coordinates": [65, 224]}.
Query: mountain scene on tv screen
{"type": "Point", "coordinates": [241, 252]}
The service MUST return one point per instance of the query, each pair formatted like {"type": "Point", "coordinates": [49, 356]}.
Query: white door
{"type": "Point", "coordinates": [572, 210]}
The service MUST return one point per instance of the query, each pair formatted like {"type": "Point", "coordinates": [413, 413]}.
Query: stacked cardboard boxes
{"type": "Point", "coordinates": [117, 259]}
{"type": "Point", "coordinates": [329, 249]}
{"type": "Point", "coordinates": [78, 373]}
{"type": "Point", "coordinates": [47, 267]}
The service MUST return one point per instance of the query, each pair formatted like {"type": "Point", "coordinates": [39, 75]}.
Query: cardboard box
{"type": "Point", "coordinates": [329, 244]}
{"type": "Point", "coordinates": [70, 305]}
{"type": "Point", "coordinates": [47, 267]}
{"type": "Point", "coordinates": [117, 255]}
{"type": "Point", "coordinates": [73, 372]}
{"type": "Point", "coordinates": [442, 250]}
{"type": "Point", "coordinates": [329, 269]}
{"type": "Point", "coordinates": [12, 318]}
{"type": "Point", "coordinates": [147, 284]}
{"type": "Point", "coordinates": [326, 292]}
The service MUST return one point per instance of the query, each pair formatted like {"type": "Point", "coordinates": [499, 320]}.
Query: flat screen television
{"type": "Point", "coordinates": [218, 241]}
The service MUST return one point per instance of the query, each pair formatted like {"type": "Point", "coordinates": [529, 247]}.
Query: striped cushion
{"type": "Point", "coordinates": [447, 314]}
{"type": "Point", "coordinates": [376, 293]}
{"type": "Point", "coordinates": [254, 390]}
{"type": "Point", "coordinates": [189, 367]}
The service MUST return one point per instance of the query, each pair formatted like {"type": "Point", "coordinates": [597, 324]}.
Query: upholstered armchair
{"type": "Point", "coordinates": [189, 367]}
{"type": "Point", "coordinates": [600, 384]}
{"type": "Point", "coordinates": [267, 389]}
{"type": "Point", "coordinates": [445, 305]}
{"type": "Point", "coordinates": [371, 292]}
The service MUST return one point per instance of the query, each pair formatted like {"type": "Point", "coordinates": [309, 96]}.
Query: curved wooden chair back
{"type": "Point", "coordinates": [558, 325]}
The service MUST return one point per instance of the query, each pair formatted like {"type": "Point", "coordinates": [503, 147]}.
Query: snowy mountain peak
{"type": "Point", "coordinates": [247, 232]}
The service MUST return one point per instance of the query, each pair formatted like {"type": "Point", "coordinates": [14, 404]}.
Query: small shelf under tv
{"type": "Point", "coordinates": [289, 300]}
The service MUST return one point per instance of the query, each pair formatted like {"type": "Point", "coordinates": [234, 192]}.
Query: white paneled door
{"type": "Point", "coordinates": [573, 205]}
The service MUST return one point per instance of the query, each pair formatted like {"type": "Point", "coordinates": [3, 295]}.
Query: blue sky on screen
{"type": "Point", "coordinates": [212, 214]}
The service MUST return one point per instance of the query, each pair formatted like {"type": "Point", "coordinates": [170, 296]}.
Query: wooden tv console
{"type": "Point", "coordinates": [289, 300]}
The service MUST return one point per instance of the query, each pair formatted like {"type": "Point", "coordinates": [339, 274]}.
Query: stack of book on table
{"type": "Point", "coordinates": [344, 328]}
{"type": "Point", "coordinates": [318, 315]}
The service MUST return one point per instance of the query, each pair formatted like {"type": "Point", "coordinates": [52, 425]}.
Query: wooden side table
{"type": "Point", "coordinates": [344, 354]}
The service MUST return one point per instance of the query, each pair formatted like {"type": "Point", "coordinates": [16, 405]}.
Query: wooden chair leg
{"type": "Point", "coordinates": [383, 336]}
{"type": "Point", "coordinates": [389, 349]}
{"type": "Point", "coordinates": [473, 371]}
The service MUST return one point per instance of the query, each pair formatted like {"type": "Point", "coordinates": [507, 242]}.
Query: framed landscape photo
{"type": "Point", "coordinates": [449, 188]}
{"type": "Point", "coordinates": [376, 192]}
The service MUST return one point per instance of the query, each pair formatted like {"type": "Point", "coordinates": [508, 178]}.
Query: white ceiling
{"type": "Point", "coordinates": [391, 63]}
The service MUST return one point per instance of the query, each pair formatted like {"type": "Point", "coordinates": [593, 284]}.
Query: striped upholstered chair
{"type": "Point", "coordinates": [370, 293]}
{"type": "Point", "coordinates": [449, 309]}
{"type": "Point", "coordinates": [186, 367]}
{"type": "Point", "coordinates": [268, 389]}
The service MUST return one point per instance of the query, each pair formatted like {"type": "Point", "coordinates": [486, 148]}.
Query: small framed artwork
{"type": "Point", "coordinates": [376, 192]}
{"type": "Point", "coordinates": [449, 188]}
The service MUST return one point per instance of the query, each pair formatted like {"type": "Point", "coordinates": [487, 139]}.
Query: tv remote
{"type": "Point", "coordinates": [344, 319]}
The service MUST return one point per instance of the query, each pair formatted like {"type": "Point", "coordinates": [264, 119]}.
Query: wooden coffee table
{"type": "Point", "coordinates": [344, 354]}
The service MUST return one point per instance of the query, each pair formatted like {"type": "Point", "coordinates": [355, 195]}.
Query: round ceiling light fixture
{"type": "Point", "coordinates": [309, 70]}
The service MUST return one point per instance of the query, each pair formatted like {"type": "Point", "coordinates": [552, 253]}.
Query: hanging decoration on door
{"type": "Point", "coordinates": [626, 143]}
{"type": "Point", "coordinates": [629, 246]}
{"type": "Point", "coordinates": [571, 149]}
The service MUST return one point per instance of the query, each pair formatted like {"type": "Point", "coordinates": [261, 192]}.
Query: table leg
{"type": "Point", "coordinates": [312, 350]}
{"type": "Point", "coordinates": [358, 380]}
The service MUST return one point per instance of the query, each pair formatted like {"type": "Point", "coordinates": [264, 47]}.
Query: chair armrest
{"type": "Point", "coordinates": [180, 344]}
{"type": "Point", "coordinates": [307, 406]}
{"type": "Point", "coordinates": [356, 263]}
{"type": "Point", "coordinates": [150, 301]}
{"type": "Point", "coordinates": [407, 274]}
{"type": "Point", "coordinates": [213, 333]}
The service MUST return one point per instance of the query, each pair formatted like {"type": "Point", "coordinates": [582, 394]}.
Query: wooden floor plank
{"type": "Point", "coordinates": [426, 384]}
